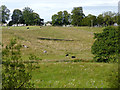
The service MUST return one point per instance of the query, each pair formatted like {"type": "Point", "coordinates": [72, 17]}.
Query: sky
{"type": "Point", "coordinates": [47, 8]}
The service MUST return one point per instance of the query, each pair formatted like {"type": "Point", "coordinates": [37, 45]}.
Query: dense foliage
{"type": "Point", "coordinates": [61, 18]}
{"type": "Point", "coordinates": [77, 16]}
{"type": "Point", "coordinates": [89, 20]}
{"type": "Point", "coordinates": [27, 16]}
{"type": "Point", "coordinates": [106, 46]}
{"type": "Point", "coordinates": [17, 17]}
{"type": "Point", "coordinates": [15, 73]}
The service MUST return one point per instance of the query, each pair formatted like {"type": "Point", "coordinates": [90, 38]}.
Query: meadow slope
{"type": "Point", "coordinates": [70, 40]}
{"type": "Point", "coordinates": [55, 70]}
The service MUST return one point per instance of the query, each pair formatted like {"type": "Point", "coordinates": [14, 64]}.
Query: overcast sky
{"type": "Point", "coordinates": [46, 8]}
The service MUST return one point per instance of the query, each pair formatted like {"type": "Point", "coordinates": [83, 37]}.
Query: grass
{"type": "Point", "coordinates": [56, 70]}
{"type": "Point", "coordinates": [80, 47]}
{"type": "Point", "coordinates": [72, 75]}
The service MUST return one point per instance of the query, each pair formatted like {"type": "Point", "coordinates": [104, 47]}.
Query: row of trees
{"type": "Point", "coordinates": [78, 18]}
{"type": "Point", "coordinates": [27, 16]}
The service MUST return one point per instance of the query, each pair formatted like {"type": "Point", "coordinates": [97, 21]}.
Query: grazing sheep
{"type": "Point", "coordinates": [27, 27]}
{"type": "Point", "coordinates": [67, 55]}
{"type": "Point", "coordinates": [25, 46]}
{"type": "Point", "coordinates": [73, 57]}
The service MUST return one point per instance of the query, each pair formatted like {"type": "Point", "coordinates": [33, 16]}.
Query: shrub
{"type": "Point", "coordinates": [14, 72]}
{"type": "Point", "coordinates": [106, 45]}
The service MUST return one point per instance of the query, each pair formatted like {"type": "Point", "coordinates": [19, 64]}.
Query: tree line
{"type": "Point", "coordinates": [27, 16]}
{"type": "Point", "coordinates": [76, 18]}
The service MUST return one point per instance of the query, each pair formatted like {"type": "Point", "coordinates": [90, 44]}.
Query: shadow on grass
{"type": "Point", "coordinates": [56, 39]}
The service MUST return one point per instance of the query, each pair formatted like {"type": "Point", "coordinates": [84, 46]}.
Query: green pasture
{"type": "Point", "coordinates": [75, 75]}
{"type": "Point", "coordinates": [55, 69]}
{"type": "Point", "coordinates": [73, 41]}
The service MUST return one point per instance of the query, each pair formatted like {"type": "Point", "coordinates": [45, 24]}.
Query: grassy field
{"type": "Point", "coordinates": [75, 75]}
{"type": "Point", "coordinates": [55, 70]}
{"type": "Point", "coordinates": [73, 40]}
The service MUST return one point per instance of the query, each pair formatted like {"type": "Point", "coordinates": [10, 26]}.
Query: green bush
{"type": "Point", "coordinates": [14, 71]}
{"type": "Point", "coordinates": [106, 45]}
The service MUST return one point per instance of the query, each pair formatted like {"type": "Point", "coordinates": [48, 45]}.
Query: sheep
{"type": "Point", "coordinates": [67, 55]}
{"type": "Point", "coordinates": [73, 57]}
{"type": "Point", "coordinates": [27, 27]}
{"type": "Point", "coordinates": [45, 51]}
{"type": "Point", "coordinates": [25, 46]}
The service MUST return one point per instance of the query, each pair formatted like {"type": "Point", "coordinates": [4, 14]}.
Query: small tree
{"type": "Point", "coordinates": [106, 47]}
{"type": "Point", "coordinates": [14, 72]}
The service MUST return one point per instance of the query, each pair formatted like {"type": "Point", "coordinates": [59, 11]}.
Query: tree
{"type": "Point", "coordinates": [17, 16]}
{"type": "Point", "coordinates": [89, 20]}
{"type": "Point", "coordinates": [106, 46]}
{"type": "Point", "coordinates": [28, 15]}
{"type": "Point", "coordinates": [5, 13]}
{"type": "Point", "coordinates": [31, 18]}
{"type": "Point", "coordinates": [108, 18]}
{"type": "Point", "coordinates": [61, 18]}
{"type": "Point", "coordinates": [66, 18]}
{"type": "Point", "coordinates": [54, 19]}
{"type": "Point", "coordinates": [10, 23]}
{"type": "Point", "coordinates": [115, 18]}
{"type": "Point", "coordinates": [15, 74]}
{"type": "Point", "coordinates": [100, 19]}
{"type": "Point", "coordinates": [77, 16]}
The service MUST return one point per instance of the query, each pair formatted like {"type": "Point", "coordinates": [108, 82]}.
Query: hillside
{"type": "Point", "coordinates": [57, 41]}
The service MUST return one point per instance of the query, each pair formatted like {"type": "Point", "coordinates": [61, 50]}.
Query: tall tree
{"type": "Point", "coordinates": [28, 16]}
{"type": "Point", "coordinates": [77, 16]}
{"type": "Point", "coordinates": [5, 13]}
{"type": "Point", "coordinates": [17, 16]}
{"type": "Point", "coordinates": [61, 18]}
